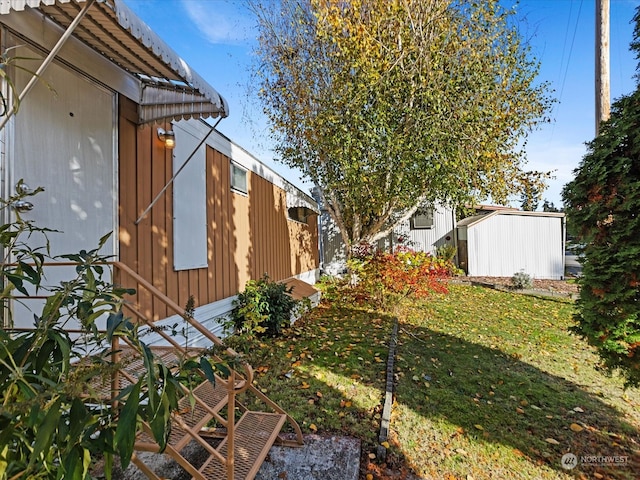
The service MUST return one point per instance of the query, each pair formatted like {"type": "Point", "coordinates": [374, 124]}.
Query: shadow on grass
{"type": "Point", "coordinates": [461, 408]}
{"type": "Point", "coordinates": [491, 410]}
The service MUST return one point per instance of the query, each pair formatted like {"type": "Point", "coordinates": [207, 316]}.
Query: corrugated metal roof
{"type": "Point", "coordinates": [475, 219]}
{"type": "Point", "coordinates": [170, 88]}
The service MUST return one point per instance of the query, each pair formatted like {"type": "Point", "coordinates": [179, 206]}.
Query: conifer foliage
{"type": "Point", "coordinates": [603, 205]}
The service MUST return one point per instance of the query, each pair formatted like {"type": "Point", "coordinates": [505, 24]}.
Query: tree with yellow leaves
{"type": "Point", "coordinates": [390, 104]}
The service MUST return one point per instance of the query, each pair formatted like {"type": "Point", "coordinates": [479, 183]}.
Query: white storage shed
{"type": "Point", "coordinates": [504, 242]}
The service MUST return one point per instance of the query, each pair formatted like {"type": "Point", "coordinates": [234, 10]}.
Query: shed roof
{"type": "Point", "coordinates": [170, 89]}
{"type": "Point", "coordinates": [475, 219]}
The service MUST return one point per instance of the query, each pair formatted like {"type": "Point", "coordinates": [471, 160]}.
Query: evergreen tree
{"type": "Point", "coordinates": [603, 205]}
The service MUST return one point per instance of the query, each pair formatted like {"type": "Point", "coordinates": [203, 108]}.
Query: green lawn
{"type": "Point", "coordinates": [489, 385]}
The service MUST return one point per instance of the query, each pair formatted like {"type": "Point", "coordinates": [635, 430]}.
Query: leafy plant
{"type": "Point", "coordinates": [264, 308]}
{"type": "Point", "coordinates": [383, 277]}
{"type": "Point", "coordinates": [521, 280]}
{"type": "Point", "coordinates": [446, 252]}
{"type": "Point", "coordinates": [53, 424]}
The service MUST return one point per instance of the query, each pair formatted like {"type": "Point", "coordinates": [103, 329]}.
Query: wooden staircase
{"type": "Point", "coordinates": [207, 413]}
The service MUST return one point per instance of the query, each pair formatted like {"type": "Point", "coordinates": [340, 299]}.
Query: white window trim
{"type": "Point", "coordinates": [234, 165]}
{"type": "Point", "coordinates": [423, 212]}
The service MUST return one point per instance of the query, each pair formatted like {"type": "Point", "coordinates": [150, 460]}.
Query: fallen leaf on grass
{"type": "Point", "coordinates": [520, 411]}
{"type": "Point", "coordinates": [478, 426]}
{"type": "Point", "coordinates": [552, 441]}
{"type": "Point", "coordinates": [313, 427]}
{"type": "Point", "coordinates": [385, 444]}
{"type": "Point", "coordinates": [304, 385]}
{"type": "Point", "coordinates": [575, 427]}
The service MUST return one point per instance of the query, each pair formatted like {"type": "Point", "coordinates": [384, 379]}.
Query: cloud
{"type": "Point", "coordinates": [221, 21]}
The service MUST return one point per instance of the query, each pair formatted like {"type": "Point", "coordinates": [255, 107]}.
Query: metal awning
{"type": "Point", "coordinates": [298, 199]}
{"type": "Point", "coordinates": [170, 89]}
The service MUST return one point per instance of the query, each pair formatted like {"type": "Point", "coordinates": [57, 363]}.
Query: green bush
{"type": "Point", "coordinates": [264, 308]}
{"type": "Point", "coordinates": [521, 280]}
{"type": "Point", "coordinates": [446, 252]}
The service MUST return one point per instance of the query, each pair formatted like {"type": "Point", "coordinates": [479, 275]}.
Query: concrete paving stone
{"type": "Point", "coordinates": [321, 458]}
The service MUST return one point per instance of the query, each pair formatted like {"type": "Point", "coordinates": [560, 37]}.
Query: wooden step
{"type": "Point", "coordinates": [255, 433]}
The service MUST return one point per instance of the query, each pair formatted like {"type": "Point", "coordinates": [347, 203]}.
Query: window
{"type": "Point", "coordinates": [238, 178]}
{"type": "Point", "coordinates": [299, 214]}
{"type": "Point", "coordinates": [423, 218]}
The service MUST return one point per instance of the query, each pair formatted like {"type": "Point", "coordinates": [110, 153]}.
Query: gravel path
{"type": "Point", "coordinates": [560, 286]}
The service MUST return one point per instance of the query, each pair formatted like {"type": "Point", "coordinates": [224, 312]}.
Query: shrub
{"type": "Point", "coordinates": [264, 308]}
{"type": "Point", "coordinates": [384, 277]}
{"type": "Point", "coordinates": [446, 252]}
{"type": "Point", "coordinates": [521, 280]}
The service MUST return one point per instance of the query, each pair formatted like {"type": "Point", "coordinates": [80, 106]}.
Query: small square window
{"type": "Point", "coordinates": [238, 178]}
{"type": "Point", "coordinates": [299, 214]}
{"type": "Point", "coordinates": [423, 218]}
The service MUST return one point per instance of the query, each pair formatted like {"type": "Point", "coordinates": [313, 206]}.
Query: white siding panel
{"type": "Point", "coordinates": [505, 244]}
{"type": "Point", "coordinates": [429, 239]}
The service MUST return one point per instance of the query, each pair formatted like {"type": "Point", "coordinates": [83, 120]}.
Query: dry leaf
{"type": "Point", "coordinates": [519, 410]}
{"type": "Point", "coordinates": [478, 426]}
{"type": "Point", "coordinates": [385, 444]}
{"type": "Point", "coordinates": [578, 409]}
{"type": "Point", "coordinates": [369, 476]}
{"type": "Point", "coordinates": [319, 394]}
{"type": "Point", "coordinates": [575, 427]}
{"type": "Point", "coordinates": [372, 456]}
{"type": "Point", "coordinates": [552, 441]}
{"type": "Point", "coordinates": [313, 427]}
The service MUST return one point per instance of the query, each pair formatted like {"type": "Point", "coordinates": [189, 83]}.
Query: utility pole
{"type": "Point", "coordinates": [603, 87]}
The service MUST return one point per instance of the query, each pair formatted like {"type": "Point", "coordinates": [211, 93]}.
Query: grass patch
{"type": "Point", "coordinates": [488, 384]}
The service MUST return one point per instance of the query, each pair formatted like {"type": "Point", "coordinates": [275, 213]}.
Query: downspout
{"type": "Point", "coordinates": [48, 60]}
{"type": "Point", "coordinates": [563, 227]}
{"type": "Point", "coordinates": [455, 235]}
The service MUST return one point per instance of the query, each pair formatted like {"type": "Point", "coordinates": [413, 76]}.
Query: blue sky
{"type": "Point", "coordinates": [215, 38]}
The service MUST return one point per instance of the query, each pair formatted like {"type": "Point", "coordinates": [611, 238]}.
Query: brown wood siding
{"type": "Point", "coordinates": [248, 235]}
